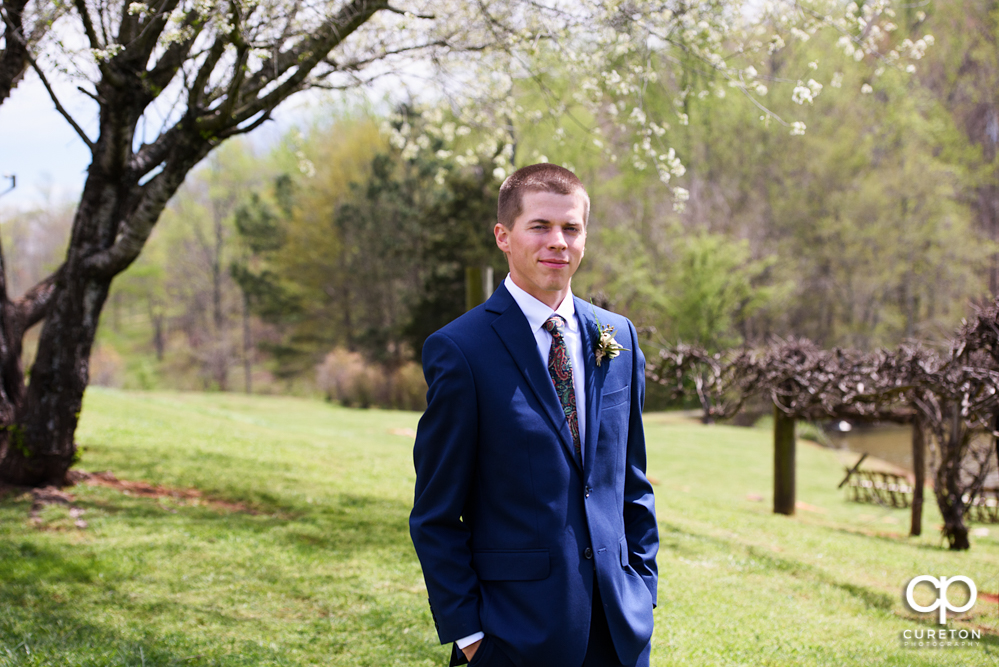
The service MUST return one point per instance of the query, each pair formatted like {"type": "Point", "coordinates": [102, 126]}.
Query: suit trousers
{"type": "Point", "coordinates": [599, 647]}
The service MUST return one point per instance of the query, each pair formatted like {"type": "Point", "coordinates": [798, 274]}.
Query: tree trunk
{"type": "Point", "coordinates": [11, 370]}
{"type": "Point", "coordinates": [919, 468]}
{"type": "Point", "coordinates": [995, 429]}
{"type": "Point", "coordinates": [949, 487]}
{"type": "Point", "coordinates": [14, 56]}
{"type": "Point", "coordinates": [784, 446]}
{"type": "Point", "coordinates": [156, 318]}
{"type": "Point", "coordinates": [988, 212]}
{"type": "Point", "coordinates": [220, 355]}
{"type": "Point", "coordinates": [247, 345]}
{"type": "Point", "coordinates": [41, 436]}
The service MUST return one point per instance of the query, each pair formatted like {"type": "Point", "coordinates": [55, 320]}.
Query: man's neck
{"type": "Point", "coordinates": [551, 299]}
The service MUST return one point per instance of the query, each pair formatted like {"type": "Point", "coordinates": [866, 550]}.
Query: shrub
{"type": "Point", "coordinates": [347, 378]}
{"type": "Point", "coordinates": [107, 368]}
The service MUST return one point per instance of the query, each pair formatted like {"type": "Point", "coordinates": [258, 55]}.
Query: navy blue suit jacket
{"type": "Point", "coordinates": [509, 528]}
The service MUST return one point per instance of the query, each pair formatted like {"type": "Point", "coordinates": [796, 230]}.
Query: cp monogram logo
{"type": "Point", "coordinates": [942, 603]}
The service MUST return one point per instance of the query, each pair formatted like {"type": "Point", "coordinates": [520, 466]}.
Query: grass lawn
{"type": "Point", "coordinates": [320, 571]}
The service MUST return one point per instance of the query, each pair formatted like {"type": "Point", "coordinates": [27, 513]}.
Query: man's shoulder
{"type": "Point", "coordinates": [467, 329]}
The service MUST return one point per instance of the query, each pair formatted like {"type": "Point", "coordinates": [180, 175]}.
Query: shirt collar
{"type": "Point", "coordinates": [537, 313]}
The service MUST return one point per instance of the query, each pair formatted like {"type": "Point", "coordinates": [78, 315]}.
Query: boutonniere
{"type": "Point", "coordinates": [606, 346]}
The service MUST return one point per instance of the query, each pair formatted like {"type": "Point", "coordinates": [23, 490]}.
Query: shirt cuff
{"type": "Point", "coordinates": [469, 640]}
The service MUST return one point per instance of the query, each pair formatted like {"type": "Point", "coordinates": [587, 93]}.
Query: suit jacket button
{"type": "Point", "coordinates": [588, 554]}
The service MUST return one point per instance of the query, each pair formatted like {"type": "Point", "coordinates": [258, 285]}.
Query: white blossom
{"type": "Point", "coordinates": [305, 165]}
{"type": "Point", "coordinates": [801, 94]}
{"type": "Point", "coordinates": [680, 198]}
{"type": "Point", "coordinates": [797, 128]}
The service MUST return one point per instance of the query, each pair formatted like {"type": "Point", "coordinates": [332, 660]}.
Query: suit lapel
{"type": "Point", "coordinates": [594, 380]}
{"type": "Point", "coordinates": [512, 328]}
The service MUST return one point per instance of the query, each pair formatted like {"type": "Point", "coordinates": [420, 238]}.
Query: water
{"type": "Point", "coordinates": [892, 443]}
{"type": "Point", "coordinates": [888, 442]}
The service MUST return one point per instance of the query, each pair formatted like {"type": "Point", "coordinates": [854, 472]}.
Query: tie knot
{"type": "Point", "coordinates": [554, 325]}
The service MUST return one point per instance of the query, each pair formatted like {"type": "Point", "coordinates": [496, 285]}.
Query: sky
{"type": "Point", "coordinates": [50, 160]}
{"type": "Point", "coordinates": [39, 147]}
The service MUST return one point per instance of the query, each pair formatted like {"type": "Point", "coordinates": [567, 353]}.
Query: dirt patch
{"type": "Point", "coordinates": [42, 497]}
{"type": "Point", "coordinates": [145, 490]}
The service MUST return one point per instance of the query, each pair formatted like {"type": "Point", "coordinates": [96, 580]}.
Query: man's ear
{"type": "Point", "coordinates": [502, 235]}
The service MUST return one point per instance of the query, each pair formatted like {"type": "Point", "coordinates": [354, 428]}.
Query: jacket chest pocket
{"type": "Point", "coordinates": [616, 397]}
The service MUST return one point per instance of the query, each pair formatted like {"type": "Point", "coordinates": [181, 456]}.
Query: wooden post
{"type": "Point", "coordinates": [478, 285]}
{"type": "Point", "coordinates": [784, 442]}
{"type": "Point", "coordinates": [487, 282]}
{"type": "Point", "coordinates": [919, 469]}
{"type": "Point", "coordinates": [473, 287]}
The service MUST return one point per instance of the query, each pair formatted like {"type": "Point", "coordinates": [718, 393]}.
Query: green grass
{"type": "Point", "coordinates": [321, 570]}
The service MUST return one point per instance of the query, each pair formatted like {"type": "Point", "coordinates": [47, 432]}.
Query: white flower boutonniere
{"type": "Point", "coordinates": [606, 346]}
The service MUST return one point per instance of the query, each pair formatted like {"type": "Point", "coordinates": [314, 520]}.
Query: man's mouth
{"type": "Point", "coordinates": [555, 263]}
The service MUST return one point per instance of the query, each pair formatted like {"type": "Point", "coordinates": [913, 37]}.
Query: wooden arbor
{"type": "Point", "coordinates": [949, 397]}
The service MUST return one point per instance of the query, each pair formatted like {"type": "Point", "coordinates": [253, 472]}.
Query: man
{"type": "Point", "coordinates": [533, 519]}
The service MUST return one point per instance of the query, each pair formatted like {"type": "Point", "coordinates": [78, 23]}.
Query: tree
{"type": "Point", "coordinates": [226, 67]}
{"type": "Point", "coordinates": [262, 228]}
{"type": "Point", "coordinates": [172, 79]}
{"type": "Point", "coordinates": [25, 24]}
{"type": "Point", "coordinates": [963, 73]}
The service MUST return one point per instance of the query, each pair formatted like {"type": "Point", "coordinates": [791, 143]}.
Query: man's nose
{"type": "Point", "coordinates": [556, 239]}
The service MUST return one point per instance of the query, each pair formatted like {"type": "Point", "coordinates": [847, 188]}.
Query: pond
{"type": "Point", "coordinates": [888, 442]}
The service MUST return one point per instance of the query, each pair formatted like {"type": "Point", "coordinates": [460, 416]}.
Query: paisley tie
{"type": "Point", "coordinates": [560, 369]}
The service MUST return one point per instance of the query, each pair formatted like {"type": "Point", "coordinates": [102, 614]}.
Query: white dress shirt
{"type": "Point", "coordinates": [537, 314]}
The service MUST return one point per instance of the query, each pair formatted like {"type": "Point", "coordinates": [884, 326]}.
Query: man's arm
{"type": "Point", "coordinates": [640, 524]}
{"type": "Point", "coordinates": [445, 460]}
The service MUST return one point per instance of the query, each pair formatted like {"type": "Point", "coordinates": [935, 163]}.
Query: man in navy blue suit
{"type": "Point", "coordinates": [533, 518]}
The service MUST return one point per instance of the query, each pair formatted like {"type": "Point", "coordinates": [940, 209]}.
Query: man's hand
{"type": "Point", "coordinates": [470, 650]}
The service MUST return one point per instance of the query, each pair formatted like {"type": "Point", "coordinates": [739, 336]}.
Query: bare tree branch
{"type": "Point", "coordinates": [58, 105]}
{"type": "Point", "coordinates": [13, 58]}
{"type": "Point", "coordinates": [88, 24]}
{"type": "Point", "coordinates": [33, 306]}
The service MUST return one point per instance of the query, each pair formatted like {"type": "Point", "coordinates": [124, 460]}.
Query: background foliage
{"type": "Point", "coordinates": [350, 235]}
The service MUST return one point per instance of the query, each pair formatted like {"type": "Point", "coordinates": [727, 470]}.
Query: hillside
{"type": "Point", "coordinates": [273, 531]}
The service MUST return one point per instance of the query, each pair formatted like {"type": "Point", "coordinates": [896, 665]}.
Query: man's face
{"type": "Point", "coordinates": [546, 243]}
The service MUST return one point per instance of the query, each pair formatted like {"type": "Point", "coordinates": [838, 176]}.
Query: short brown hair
{"type": "Point", "coordinates": [544, 177]}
